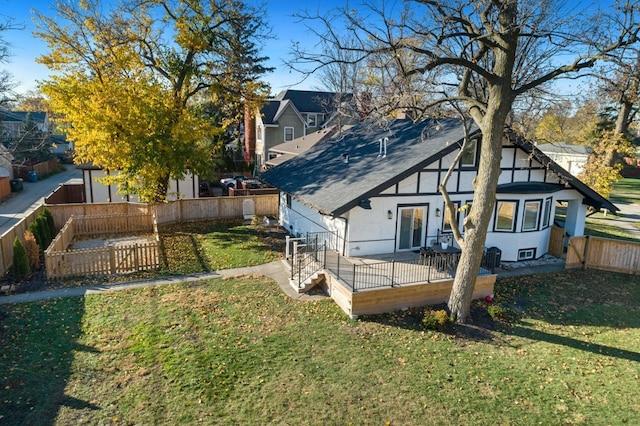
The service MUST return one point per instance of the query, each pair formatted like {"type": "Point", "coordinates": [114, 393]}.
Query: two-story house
{"type": "Point", "coordinates": [295, 113]}
{"type": "Point", "coordinates": [14, 122]}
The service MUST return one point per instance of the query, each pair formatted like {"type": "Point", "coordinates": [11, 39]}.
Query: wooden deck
{"type": "Point", "coordinates": [390, 282]}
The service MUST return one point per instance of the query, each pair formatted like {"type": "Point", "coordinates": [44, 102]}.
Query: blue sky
{"type": "Point", "coordinates": [25, 48]}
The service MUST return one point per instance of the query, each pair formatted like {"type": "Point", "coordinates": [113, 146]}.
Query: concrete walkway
{"type": "Point", "coordinates": [276, 270]}
{"type": "Point", "coordinates": [20, 204]}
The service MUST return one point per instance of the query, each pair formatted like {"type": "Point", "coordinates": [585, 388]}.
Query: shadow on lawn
{"type": "Point", "coordinates": [573, 298]}
{"type": "Point", "coordinates": [556, 339]}
{"type": "Point", "coordinates": [38, 342]}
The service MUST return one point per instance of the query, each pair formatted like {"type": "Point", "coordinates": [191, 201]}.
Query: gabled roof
{"type": "Point", "coordinates": [592, 198]}
{"type": "Point", "coordinates": [312, 101]}
{"type": "Point", "coordinates": [273, 110]}
{"type": "Point", "coordinates": [290, 149]}
{"type": "Point", "coordinates": [334, 176]}
{"type": "Point", "coordinates": [565, 148]}
{"type": "Point", "coordinates": [21, 116]}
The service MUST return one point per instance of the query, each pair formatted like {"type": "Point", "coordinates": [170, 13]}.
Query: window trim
{"type": "Point", "coordinates": [536, 227]}
{"type": "Point", "coordinates": [513, 219]}
{"type": "Point", "coordinates": [521, 251]}
{"type": "Point", "coordinates": [293, 133]}
{"type": "Point", "coordinates": [456, 205]}
{"type": "Point", "coordinates": [474, 163]}
{"type": "Point", "coordinates": [546, 212]}
{"type": "Point", "coordinates": [315, 120]}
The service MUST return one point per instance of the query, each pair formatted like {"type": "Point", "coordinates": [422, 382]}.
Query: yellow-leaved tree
{"type": "Point", "coordinates": [130, 82]}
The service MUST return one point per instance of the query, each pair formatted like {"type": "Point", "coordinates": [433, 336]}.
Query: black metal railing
{"type": "Point", "coordinates": [314, 254]}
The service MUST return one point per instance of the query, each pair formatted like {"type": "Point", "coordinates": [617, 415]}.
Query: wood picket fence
{"type": "Point", "coordinates": [166, 213]}
{"type": "Point", "coordinates": [60, 261]}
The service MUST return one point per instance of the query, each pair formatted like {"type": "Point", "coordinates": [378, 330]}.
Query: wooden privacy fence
{"type": "Point", "coordinates": [175, 211]}
{"type": "Point", "coordinates": [556, 242]}
{"type": "Point", "coordinates": [6, 240]}
{"type": "Point", "coordinates": [172, 212]}
{"type": "Point", "coordinates": [112, 259]}
{"type": "Point", "coordinates": [603, 253]}
{"type": "Point", "coordinates": [117, 224]}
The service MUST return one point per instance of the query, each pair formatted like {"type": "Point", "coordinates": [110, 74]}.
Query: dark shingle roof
{"type": "Point", "coordinates": [310, 101]}
{"type": "Point", "coordinates": [269, 111]}
{"type": "Point", "coordinates": [325, 181]}
{"type": "Point", "coordinates": [20, 116]}
{"type": "Point", "coordinates": [321, 178]}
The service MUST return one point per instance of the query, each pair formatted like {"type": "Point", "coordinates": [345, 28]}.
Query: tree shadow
{"type": "Point", "coordinates": [38, 343]}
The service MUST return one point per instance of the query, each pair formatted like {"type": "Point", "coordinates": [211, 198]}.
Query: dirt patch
{"type": "Point", "coordinates": [115, 241]}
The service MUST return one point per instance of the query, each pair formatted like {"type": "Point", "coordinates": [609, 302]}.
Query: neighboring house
{"type": "Point", "coordinates": [296, 113]}
{"type": "Point", "coordinates": [287, 150]}
{"type": "Point", "coordinates": [376, 188]}
{"type": "Point", "coordinates": [97, 192]}
{"type": "Point", "coordinates": [568, 156]}
{"type": "Point", "coordinates": [13, 122]}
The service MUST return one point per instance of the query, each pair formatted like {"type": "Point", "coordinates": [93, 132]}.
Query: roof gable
{"type": "Point", "coordinates": [311, 101]}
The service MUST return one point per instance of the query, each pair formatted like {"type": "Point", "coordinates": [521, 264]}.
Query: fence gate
{"type": "Point", "coordinates": [556, 242]}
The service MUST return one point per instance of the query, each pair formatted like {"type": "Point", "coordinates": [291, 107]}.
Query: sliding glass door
{"type": "Point", "coordinates": [411, 228]}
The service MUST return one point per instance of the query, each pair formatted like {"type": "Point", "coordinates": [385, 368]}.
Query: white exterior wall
{"type": "Point", "coordinates": [96, 192]}
{"type": "Point", "coordinates": [300, 219]}
{"type": "Point", "coordinates": [370, 232]}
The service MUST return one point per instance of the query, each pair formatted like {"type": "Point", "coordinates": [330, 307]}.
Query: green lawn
{"type": "Point", "coordinates": [217, 244]}
{"type": "Point", "coordinates": [238, 351]}
{"type": "Point", "coordinates": [626, 190]}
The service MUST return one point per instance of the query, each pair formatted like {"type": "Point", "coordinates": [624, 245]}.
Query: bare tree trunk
{"type": "Point", "coordinates": [477, 222]}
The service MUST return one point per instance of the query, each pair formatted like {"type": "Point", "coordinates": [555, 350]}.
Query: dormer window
{"type": "Point", "coordinates": [312, 120]}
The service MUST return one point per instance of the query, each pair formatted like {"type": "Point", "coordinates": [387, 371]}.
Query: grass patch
{"type": "Point", "coordinates": [626, 190]}
{"type": "Point", "coordinates": [238, 351]}
{"type": "Point", "coordinates": [212, 245]}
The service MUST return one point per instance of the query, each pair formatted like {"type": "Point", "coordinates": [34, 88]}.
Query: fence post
{"type": "Point", "coordinates": [393, 272]}
{"type": "Point", "coordinates": [136, 259]}
{"type": "Point", "coordinates": [354, 277]}
{"type": "Point", "coordinates": [430, 263]}
{"type": "Point", "coordinates": [324, 260]}
{"type": "Point", "coordinates": [112, 259]}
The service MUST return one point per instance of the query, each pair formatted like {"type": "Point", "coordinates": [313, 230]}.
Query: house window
{"type": "Point", "coordinates": [547, 212]}
{"type": "Point", "coordinates": [448, 220]}
{"type": "Point", "coordinates": [288, 200]}
{"type": "Point", "coordinates": [506, 215]}
{"type": "Point", "coordinates": [259, 133]}
{"type": "Point", "coordinates": [526, 254]}
{"type": "Point", "coordinates": [289, 133]}
{"type": "Point", "coordinates": [468, 159]}
{"type": "Point", "coordinates": [531, 215]}
{"type": "Point", "coordinates": [312, 120]}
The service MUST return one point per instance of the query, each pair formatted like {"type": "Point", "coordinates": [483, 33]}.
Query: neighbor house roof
{"type": "Point", "coordinates": [273, 110]}
{"type": "Point", "coordinates": [565, 148]}
{"type": "Point", "coordinates": [290, 149]}
{"type": "Point", "coordinates": [312, 101]}
{"type": "Point", "coordinates": [21, 116]}
{"type": "Point", "coordinates": [334, 176]}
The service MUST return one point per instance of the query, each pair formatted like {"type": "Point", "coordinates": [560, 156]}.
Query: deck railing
{"type": "Point", "coordinates": [313, 254]}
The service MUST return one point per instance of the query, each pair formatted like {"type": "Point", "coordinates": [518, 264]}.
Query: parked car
{"type": "Point", "coordinates": [232, 182]}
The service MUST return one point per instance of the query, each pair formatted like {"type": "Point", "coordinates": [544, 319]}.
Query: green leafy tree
{"type": "Point", "coordinates": [599, 172]}
{"type": "Point", "coordinates": [21, 267]}
{"type": "Point", "coordinates": [128, 81]}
